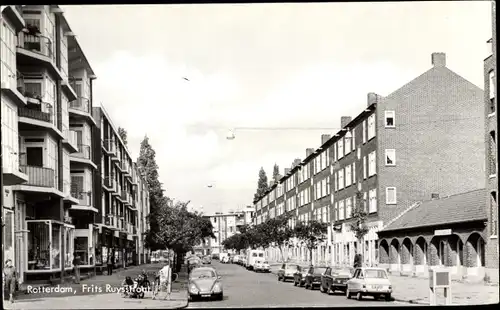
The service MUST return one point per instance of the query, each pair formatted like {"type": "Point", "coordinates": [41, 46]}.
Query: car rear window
{"type": "Point", "coordinates": [261, 254]}
{"type": "Point", "coordinates": [375, 274]}
{"type": "Point", "coordinates": [319, 269]}
{"type": "Point", "coordinates": [266, 262]}
{"type": "Point", "coordinates": [254, 254]}
{"type": "Point", "coordinates": [292, 267]}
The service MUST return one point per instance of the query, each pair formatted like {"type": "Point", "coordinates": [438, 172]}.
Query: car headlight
{"type": "Point", "coordinates": [193, 289]}
{"type": "Point", "coordinates": [217, 288]}
{"type": "Point", "coordinates": [389, 287]}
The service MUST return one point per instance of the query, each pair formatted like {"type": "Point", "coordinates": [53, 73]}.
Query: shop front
{"type": "Point", "coordinates": [86, 242]}
{"type": "Point", "coordinates": [45, 240]}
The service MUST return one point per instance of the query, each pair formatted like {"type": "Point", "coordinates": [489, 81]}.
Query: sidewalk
{"type": "Point", "coordinates": [99, 290]}
{"type": "Point", "coordinates": [416, 290]}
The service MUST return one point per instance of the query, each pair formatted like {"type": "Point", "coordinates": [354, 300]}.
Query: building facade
{"type": "Point", "coordinates": [401, 149]}
{"type": "Point", "coordinates": [121, 188]}
{"type": "Point", "coordinates": [491, 136]}
{"type": "Point", "coordinates": [50, 148]}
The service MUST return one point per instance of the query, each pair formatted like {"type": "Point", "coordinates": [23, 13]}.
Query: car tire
{"type": "Point", "coordinates": [279, 278]}
{"type": "Point", "coordinates": [322, 289]}
{"type": "Point", "coordinates": [388, 297]}
{"type": "Point", "coordinates": [359, 296]}
{"type": "Point", "coordinates": [347, 293]}
{"type": "Point", "coordinates": [295, 282]}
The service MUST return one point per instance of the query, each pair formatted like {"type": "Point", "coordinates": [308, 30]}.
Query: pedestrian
{"type": "Point", "coordinates": [10, 276]}
{"type": "Point", "coordinates": [358, 259]}
{"type": "Point", "coordinates": [76, 267]}
{"type": "Point", "coordinates": [109, 262]}
{"type": "Point", "coordinates": [163, 282]}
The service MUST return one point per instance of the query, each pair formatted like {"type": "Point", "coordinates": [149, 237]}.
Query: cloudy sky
{"type": "Point", "coordinates": [259, 65]}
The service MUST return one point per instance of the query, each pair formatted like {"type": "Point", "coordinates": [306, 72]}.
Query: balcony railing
{"type": "Point", "coordinates": [39, 176]}
{"type": "Point", "coordinates": [80, 104]}
{"type": "Point", "coordinates": [35, 42]}
{"type": "Point", "coordinates": [35, 113]}
{"type": "Point", "coordinates": [85, 198]}
{"type": "Point", "coordinates": [109, 181]}
{"type": "Point", "coordinates": [124, 195]}
{"type": "Point", "coordinates": [67, 188]}
{"type": "Point", "coordinates": [71, 136]}
{"type": "Point", "coordinates": [83, 151]}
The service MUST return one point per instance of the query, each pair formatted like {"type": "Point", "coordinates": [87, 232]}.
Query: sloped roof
{"type": "Point", "coordinates": [463, 207]}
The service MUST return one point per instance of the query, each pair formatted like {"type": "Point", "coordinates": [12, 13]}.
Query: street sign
{"type": "Point", "coordinates": [439, 278]}
{"type": "Point", "coordinates": [442, 232]}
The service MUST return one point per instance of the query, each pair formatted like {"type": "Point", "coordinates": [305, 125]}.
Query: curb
{"type": "Point", "coordinates": [411, 301]}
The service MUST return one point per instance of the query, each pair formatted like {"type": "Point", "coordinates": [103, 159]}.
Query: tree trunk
{"type": "Point", "coordinates": [281, 252]}
{"type": "Point", "coordinates": [311, 256]}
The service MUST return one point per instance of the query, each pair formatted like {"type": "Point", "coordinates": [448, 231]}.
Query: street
{"type": "Point", "coordinates": [248, 289]}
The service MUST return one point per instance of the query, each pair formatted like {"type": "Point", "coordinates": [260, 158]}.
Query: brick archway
{"type": "Point", "coordinates": [420, 251]}
{"type": "Point", "coordinates": [394, 254]}
{"type": "Point", "coordinates": [407, 252]}
{"type": "Point", "coordinates": [383, 249]}
{"type": "Point", "coordinates": [475, 247]}
{"type": "Point", "coordinates": [433, 257]}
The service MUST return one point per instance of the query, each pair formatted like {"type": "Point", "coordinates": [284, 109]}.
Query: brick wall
{"type": "Point", "coordinates": [438, 138]}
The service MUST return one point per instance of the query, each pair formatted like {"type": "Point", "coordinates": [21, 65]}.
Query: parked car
{"type": "Point", "coordinates": [313, 277]}
{"type": "Point", "coordinates": [216, 256]}
{"type": "Point", "coordinates": [262, 266]}
{"type": "Point", "coordinates": [287, 271]}
{"type": "Point", "coordinates": [335, 280]}
{"type": "Point", "coordinates": [369, 281]}
{"type": "Point", "coordinates": [204, 282]}
{"type": "Point", "coordinates": [234, 259]}
{"type": "Point", "coordinates": [252, 256]}
{"type": "Point", "coordinates": [225, 259]}
{"type": "Point", "coordinates": [299, 277]}
{"type": "Point", "coordinates": [241, 260]}
{"type": "Point", "coordinates": [206, 259]}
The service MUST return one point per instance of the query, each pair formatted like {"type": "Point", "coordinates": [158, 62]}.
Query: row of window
{"type": "Point", "coordinates": [341, 148]}
{"type": "Point", "coordinates": [322, 188]}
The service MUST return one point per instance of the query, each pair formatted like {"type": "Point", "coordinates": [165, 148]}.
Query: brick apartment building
{"type": "Point", "coordinates": [491, 136]}
{"type": "Point", "coordinates": [421, 141]}
{"type": "Point", "coordinates": [48, 145]}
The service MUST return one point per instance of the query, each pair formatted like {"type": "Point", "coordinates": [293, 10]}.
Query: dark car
{"type": "Point", "coordinates": [335, 280]}
{"type": "Point", "coordinates": [287, 271]}
{"type": "Point", "coordinates": [313, 277]}
{"type": "Point", "coordinates": [299, 276]}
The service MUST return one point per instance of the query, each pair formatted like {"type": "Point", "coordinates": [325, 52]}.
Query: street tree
{"type": "Point", "coordinates": [262, 185]}
{"type": "Point", "coordinates": [148, 169]}
{"type": "Point", "coordinates": [276, 173]}
{"type": "Point", "coordinates": [122, 132]}
{"type": "Point", "coordinates": [358, 223]}
{"type": "Point", "coordinates": [312, 234]}
{"type": "Point", "coordinates": [279, 232]}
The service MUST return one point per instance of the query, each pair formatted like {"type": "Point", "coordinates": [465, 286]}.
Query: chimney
{"type": "Point", "coordinates": [287, 170]}
{"type": "Point", "coordinates": [309, 151]}
{"type": "Point", "coordinates": [325, 138]}
{"type": "Point", "coordinates": [434, 196]}
{"type": "Point", "coordinates": [438, 59]}
{"type": "Point", "coordinates": [344, 120]}
{"type": "Point", "coordinates": [372, 98]}
{"type": "Point", "coordinates": [296, 162]}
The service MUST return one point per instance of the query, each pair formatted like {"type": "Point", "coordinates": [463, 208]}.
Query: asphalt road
{"type": "Point", "coordinates": [248, 289]}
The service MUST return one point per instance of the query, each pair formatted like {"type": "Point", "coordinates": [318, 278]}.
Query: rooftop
{"type": "Point", "coordinates": [459, 208]}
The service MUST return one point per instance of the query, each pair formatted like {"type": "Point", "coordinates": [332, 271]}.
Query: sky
{"type": "Point", "coordinates": [259, 65]}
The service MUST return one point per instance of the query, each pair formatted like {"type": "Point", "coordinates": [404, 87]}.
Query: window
{"type": "Point", "coordinates": [372, 166]}
{"type": "Point", "coordinates": [8, 56]}
{"type": "Point", "coordinates": [341, 210]}
{"type": "Point", "coordinates": [390, 157]}
{"type": "Point", "coordinates": [365, 202]}
{"type": "Point", "coordinates": [341, 179]}
{"type": "Point", "coordinates": [328, 157]}
{"type": "Point", "coordinates": [353, 139]}
{"type": "Point", "coordinates": [323, 187]}
{"type": "Point", "coordinates": [347, 145]}
{"type": "Point", "coordinates": [354, 173]}
{"type": "Point", "coordinates": [336, 211]}
{"type": "Point", "coordinates": [389, 119]}
{"type": "Point", "coordinates": [364, 131]}
{"type": "Point", "coordinates": [372, 195]}
{"type": "Point", "coordinates": [492, 84]}
{"type": "Point", "coordinates": [341, 148]}
{"type": "Point", "coordinates": [336, 181]}
{"type": "Point", "coordinates": [494, 214]}
{"type": "Point", "coordinates": [335, 152]}
{"type": "Point", "coordinates": [348, 208]}
{"type": "Point", "coordinates": [390, 196]}
{"type": "Point", "coordinates": [371, 126]}
{"type": "Point", "coordinates": [359, 153]}
{"type": "Point", "coordinates": [365, 167]}
{"type": "Point", "coordinates": [492, 151]}
{"type": "Point", "coordinates": [328, 189]}
{"type": "Point", "coordinates": [348, 176]}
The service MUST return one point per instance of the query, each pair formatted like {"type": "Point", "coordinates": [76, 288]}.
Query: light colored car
{"type": "Point", "coordinates": [234, 259]}
{"type": "Point", "coordinates": [261, 266]}
{"type": "Point", "coordinates": [369, 281]}
{"type": "Point", "coordinates": [287, 271]}
{"type": "Point", "coordinates": [204, 282]}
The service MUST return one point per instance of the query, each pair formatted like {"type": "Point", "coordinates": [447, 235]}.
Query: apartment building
{"type": "Point", "coordinates": [51, 153]}
{"type": "Point", "coordinates": [224, 225]}
{"type": "Point", "coordinates": [491, 136]}
{"type": "Point", "coordinates": [419, 142]}
{"type": "Point", "coordinates": [120, 188]}
{"type": "Point", "coordinates": [36, 139]}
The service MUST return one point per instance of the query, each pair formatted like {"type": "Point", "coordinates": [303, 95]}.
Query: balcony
{"type": "Point", "coordinates": [80, 104]}
{"type": "Point", "coordinates": [36, 49]}
{"type": "Point", "coordinates": [83, 151]}
{"type": "Point", "coordinates": [70, 140]}
{"type": "Point", "coordinates": [109, 146]}
{"type": "Point", "coordinates": [118, 190]}
{"type": "Point", "coordinates": [15, 15]}
{"type": "Point", "coordinates": [13, 87]}
{"type": "Point", "coordinates": [109, 183]}
{"type": "Point", "coordinates": [36, 113]}
{"type": "Point", "coordinates": [39, 176]}
{"type": "Point", "coordinates": [84, 197]}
